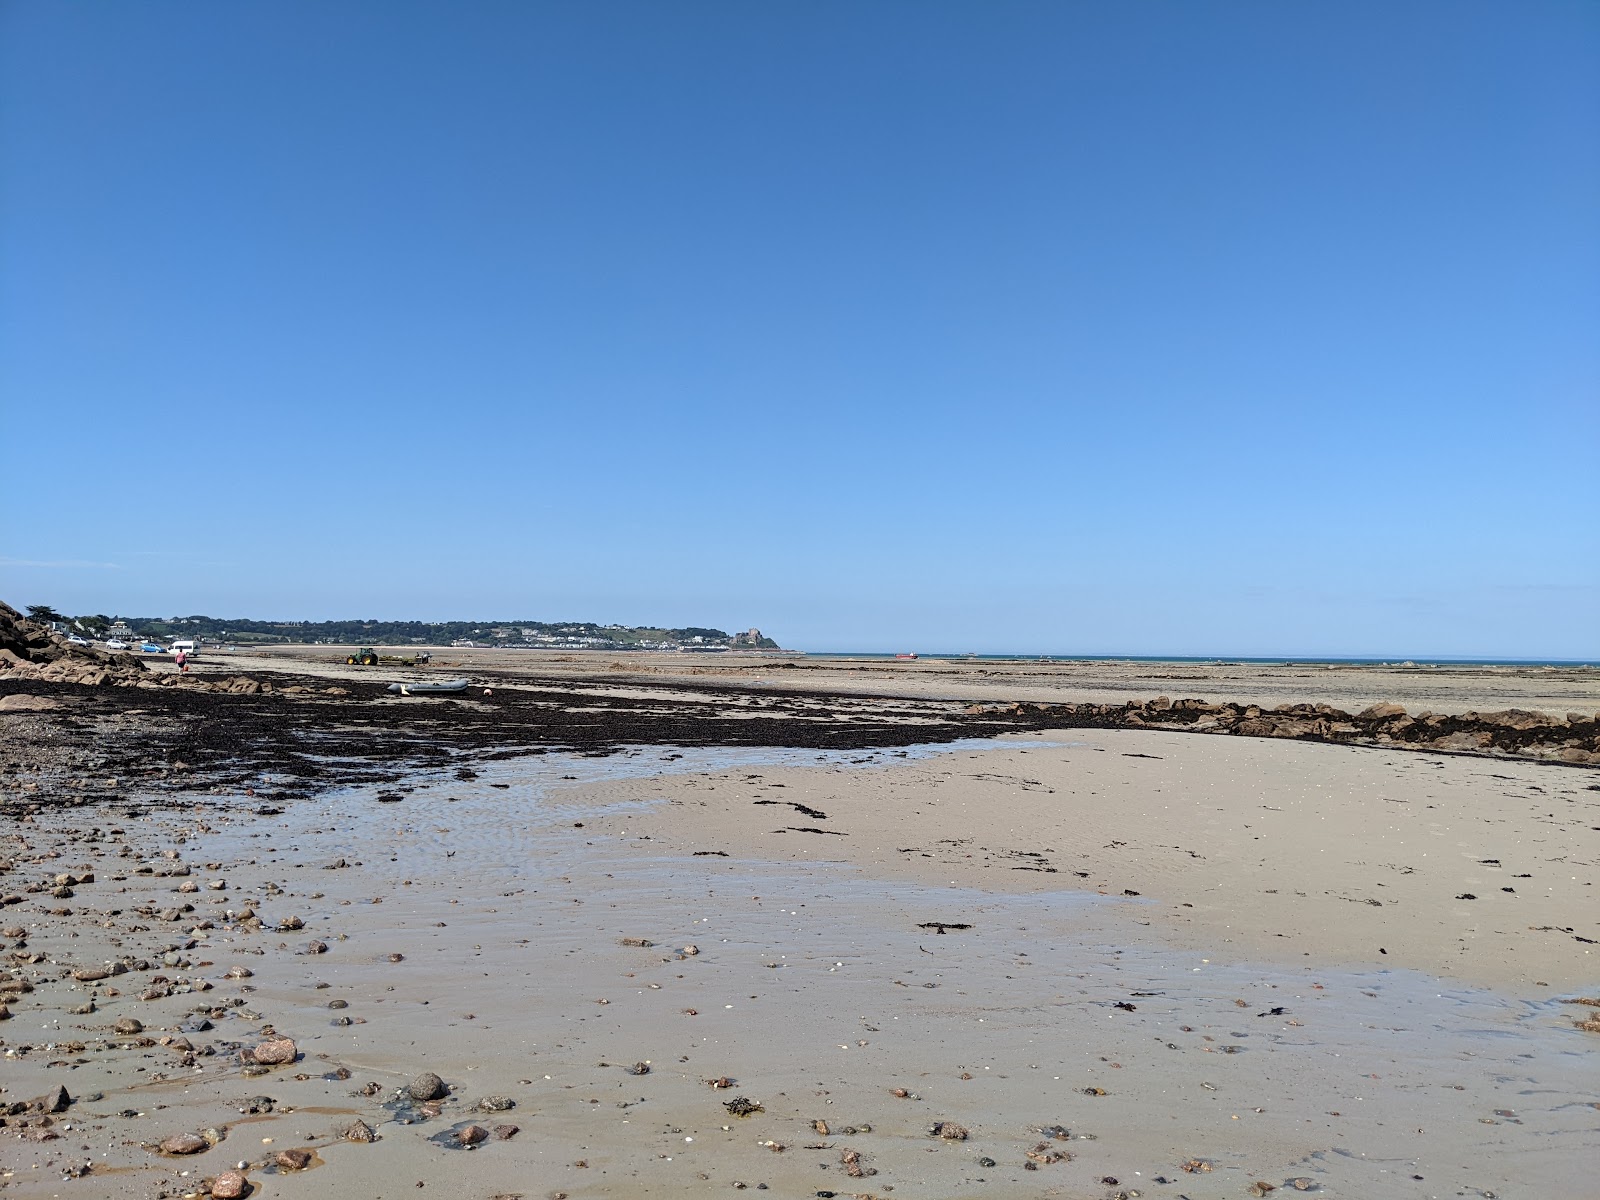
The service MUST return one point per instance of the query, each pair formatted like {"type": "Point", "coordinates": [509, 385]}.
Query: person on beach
{"type": "Point", "coordinates": [182, 660]}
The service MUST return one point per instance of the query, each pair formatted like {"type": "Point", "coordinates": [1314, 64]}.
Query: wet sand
{"type": "Point", "coordinates": [1446, 688]}
{"type": "Point", "coordinates": [1251, 958]}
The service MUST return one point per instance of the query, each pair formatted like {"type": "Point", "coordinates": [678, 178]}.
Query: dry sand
{"type": "Point", "coordinates": [1251, 958]}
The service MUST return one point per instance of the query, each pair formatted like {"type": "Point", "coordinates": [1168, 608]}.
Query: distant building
{"type": "Point", "coordinates": [750, 637]}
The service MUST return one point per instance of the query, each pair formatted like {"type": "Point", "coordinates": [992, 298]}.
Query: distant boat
{"type": "Point", "coordinates": [443, 688]}
{"type": "Point", "coordinates": [905, 655]}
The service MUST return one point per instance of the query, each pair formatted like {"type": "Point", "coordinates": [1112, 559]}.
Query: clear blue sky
{"type": "Point", "coordinates": [1145, 327]}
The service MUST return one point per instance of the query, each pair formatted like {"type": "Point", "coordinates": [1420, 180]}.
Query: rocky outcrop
{"type": "Point", "coordinates": [29, 650]}
{"type": "Point", "coordinates": [1574, 738]}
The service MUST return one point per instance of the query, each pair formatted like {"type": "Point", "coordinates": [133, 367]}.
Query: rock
{"type": "Point", "coordinates": [54, 1101]}
{"type": "Point", "coordinates": [275, 1051]}
{"type": "Point", "coordinates": [184, 1143]}
{"type": "Point", "coordinates": [230, 1185]}
{"type": "Point", "coordinates": [1380, 712]}
{"type": "Point", "coordinates": [426, 1086]}
{"type": "Point", "coordinates": [504, 1133]}
{"type": "Point", "coordinates": [293, 1160]}
{"type": "Point", "coordinates": [1516, 718]}
{"type": "Point", "coordinates": [22, 702]}
{"type": "Point", "coordinates": [358, 1131]}
{"type": "Point", "coordinates": [472, 1135]}
{"type": "Point", "coordinates": [128, 1026]}
{"type": "Point", "coordinates": [491, 1104]}
{"type": "Point", "coordinates": [948, 1130]}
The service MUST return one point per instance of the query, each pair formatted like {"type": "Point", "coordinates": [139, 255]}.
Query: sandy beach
{"type": "Point", "coordinates": [925, 952]}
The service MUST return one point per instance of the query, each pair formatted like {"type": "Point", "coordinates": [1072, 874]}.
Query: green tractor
{"type": "Point", "coordinates": [364, 657]}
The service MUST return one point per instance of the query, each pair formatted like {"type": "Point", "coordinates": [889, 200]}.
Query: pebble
{"type": "Point", "coordinates": [293, 1160]}
{"type": "Point", "coordinates": [230, 1185]}
{"type": "Point", "coordinates": [472, 1135]}
{"type": "Point", "coordinates": [426, 1086]}
{"type": "Point", "coordinates": [184, 1143]}
{"type": "Point", "coordinates": [358, 1131]}
{"type": "Point", "coordinates": [274, 1051]}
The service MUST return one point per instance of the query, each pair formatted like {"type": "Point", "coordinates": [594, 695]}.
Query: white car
{"type": "Point", "coordinates": [75, 640]}
{"type": "Point", "coordinates": [113, 644]}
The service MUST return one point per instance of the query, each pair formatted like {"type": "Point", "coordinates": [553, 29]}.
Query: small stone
{"type": "Point", "coordinates": [426, 1086]}
{"type": "Point", "coordinates": [358, 1131]}
{"type": "Point", "coordinates": [230, 1185]}
{"type": "Point", "coordinates": [504, 1133]}
{"type": "Point", "coordinates": [54, 1101]}
{"type": "Point", "coordinates": [184, 1143]}
{"type": "Point", "coordinates": [275, 1051]}
{"type": "Point", "coordinates": [948, 1130]}
{"type": "Point", "coordinates": [293, 1160]}
{"type": "Point", "coordinates": [491, 1104]}
{"type": "Point", "coordinates": [128, 1026]}
{"type": "Point", "coordinates": [472, 1135]}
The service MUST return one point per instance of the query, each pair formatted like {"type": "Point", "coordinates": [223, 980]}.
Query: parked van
{"type": "Point", "coordinates": [187, 645]}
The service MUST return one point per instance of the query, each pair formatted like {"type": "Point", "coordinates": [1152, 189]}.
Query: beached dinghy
{"type": "Point", "coordinates": [444, 687]}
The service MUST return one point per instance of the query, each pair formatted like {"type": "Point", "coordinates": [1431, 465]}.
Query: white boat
{"type": "Point", "coordinates": [444, 687]}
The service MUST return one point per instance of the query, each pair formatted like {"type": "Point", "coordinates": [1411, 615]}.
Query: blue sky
{"type": "Point", "coordinates": [1064, 327]}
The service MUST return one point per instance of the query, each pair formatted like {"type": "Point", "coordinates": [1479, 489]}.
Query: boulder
{"type": "Point", "coordinates": [22, 702]}
{"type": "Point", "coordinates": [1381, 712]}
{"type": "Point", "coordinates": [1516, 718]}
